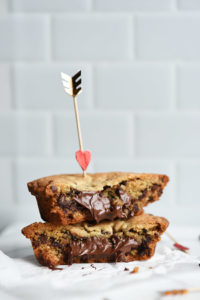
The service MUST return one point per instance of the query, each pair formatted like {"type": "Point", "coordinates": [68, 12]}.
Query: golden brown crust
{"type": "Point", "coordinates": [87, 230]}
{"type": "Point", "coordinates": [144, 229]}
{"type": "Point", "coordinates": [48, 189]}
{"type": "Point", "coordinates": [91, 182]}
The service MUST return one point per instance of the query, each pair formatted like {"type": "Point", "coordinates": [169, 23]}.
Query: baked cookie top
{"type": "Point", "coordinates": [91, 182]}
{"type": "Point", "coordinates": [106, 228]}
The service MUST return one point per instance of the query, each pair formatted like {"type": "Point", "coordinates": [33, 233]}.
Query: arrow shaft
{"type": "Point", "coordinates": [78, 126]}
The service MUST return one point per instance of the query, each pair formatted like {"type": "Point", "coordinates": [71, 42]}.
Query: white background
{"type": "Point", "coordinates": [140, 106]}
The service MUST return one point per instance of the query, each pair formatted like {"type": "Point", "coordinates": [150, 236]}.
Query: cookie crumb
{"type": "Point", "coordinates": [93, 266]}
{"type": "Point", "coordinates": [126, 269]}
{"type": "Point", "coordinates": [175, 292]}
{"type": "Point", "coordinates": [53, 268]}
{"type": "Point", "coordinates": [150, 267]}
{"type": "Point", "coordinates": [135, 270]}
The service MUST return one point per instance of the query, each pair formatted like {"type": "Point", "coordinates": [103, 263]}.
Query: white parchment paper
{"type": "Point", "coordinates": [21, 277]}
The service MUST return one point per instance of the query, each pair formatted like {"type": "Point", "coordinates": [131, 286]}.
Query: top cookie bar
{"type": "Point", "coordinates": [72, 198]}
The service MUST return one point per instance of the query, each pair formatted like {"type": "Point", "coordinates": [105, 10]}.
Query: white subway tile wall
{"type": "Point", "coordinates": [140, 105]}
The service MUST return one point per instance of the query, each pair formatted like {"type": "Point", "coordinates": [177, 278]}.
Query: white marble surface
{"type": "Point", "coordinates": [21, 277]}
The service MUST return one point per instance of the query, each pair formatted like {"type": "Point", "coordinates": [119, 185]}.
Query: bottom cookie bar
{"type": "Point", "coordinates": [133, 239]}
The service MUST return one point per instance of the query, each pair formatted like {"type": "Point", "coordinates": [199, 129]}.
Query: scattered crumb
{"type": "Point", "coordinates": [83, 268]}
{"type": "Point", "coordinates": [53, 268]}
{"type": "Point", "coordinates": [135, 270]}
{"type": "Point", "coordinates": [175, 292]}
{"type": "Point", "coordinates": [93, 266]}
{"type": "Point", "coordinates": [150, 267]}
{"type": "Point", "coordinates": [126, 269]}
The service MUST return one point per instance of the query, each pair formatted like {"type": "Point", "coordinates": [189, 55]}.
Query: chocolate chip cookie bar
{"type": "Point", "coordinates": [70, 199]}
{"type": "Point", "coordinates": [109, 241]}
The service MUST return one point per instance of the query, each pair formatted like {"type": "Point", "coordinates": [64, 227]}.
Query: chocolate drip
{"type": "Point", "coordinates": [113, 249]}
{"type": "Point", "coordinates": [102, 208]}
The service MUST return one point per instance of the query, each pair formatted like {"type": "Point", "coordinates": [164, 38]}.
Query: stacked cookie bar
{"type": "Point", "coordinates": [97, 218]}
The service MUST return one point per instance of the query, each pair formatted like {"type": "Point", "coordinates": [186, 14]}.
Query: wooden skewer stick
{"type": "Point", "coordinates": [197, 289]}
{"type": "Point", "coordinates": [78, 128]}
{"type": "Point", "coordinates": [72, 86]}
{"type": "Point", "coordinates": [171, 237]}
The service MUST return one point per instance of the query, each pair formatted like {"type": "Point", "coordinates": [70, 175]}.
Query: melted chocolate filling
{"type": "Point", "coordinates": [100, 207]}
{"type": "Point", "coordinates": [113, 249]}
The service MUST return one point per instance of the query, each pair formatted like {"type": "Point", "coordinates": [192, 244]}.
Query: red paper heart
{"type": "Point", "coordinates": [83, 158]}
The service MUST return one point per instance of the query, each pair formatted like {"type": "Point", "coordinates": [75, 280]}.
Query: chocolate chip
{"type": "Point", "coordinates": [158, 227]}
{"type": "Point", "coordinates": [70, 192]}
{"type": "Point", "coordinates": [104, 232]}
{"type": "Point", "coordinates": [150, 198]}
{"type": "Point", "coordinates": [106, 187]}
{"type": "Point", "coordinates": [54, 243]}
{"type": "Point", "coordinates": [144, 249]}
{"type": "Point", "coordinates": [35, 243]}
{"type": "Point", "coordinates": [76, 192]}
{"type": "Point", "coordinates": [143, 194]}
{"type": "Point", "coordinates": [54, 188]}
{"type": "Point", "coordinates": [91, 223]}
{"type": "Point", "coordinates": [117, 191]}
{"type": "Point", "coordinates": [43, 238]}
{"type": "Point", "coordinates": [124, 182]}
{"type": "Point", "coordinates": [62, 202]}
{"type": "Point", "coordinates": [160, 192]}
{"type": "Point", "coordinates": [74, 238]}
{"type": "Point", "coordinates": [126, 269]}
{"type": "Point", "coordinates": [156, 235]}
{"type": "Point", "coordinates": [154, 187]}
{"type": "Point", "coordinates": [148, 238]}
{"type": "Point", "coordinates": [135, 209]}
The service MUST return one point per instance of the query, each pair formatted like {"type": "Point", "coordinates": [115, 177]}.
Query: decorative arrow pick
{"type": "Point", "coordinates": [176, 244]}
{"type": "Point", "coordinates": [72, 86]}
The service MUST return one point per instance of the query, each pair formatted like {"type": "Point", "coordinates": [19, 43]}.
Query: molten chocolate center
{"type": "Point", "coordinates": [113, 249]}
{"type": "Point", "coordinates": [102, 208]}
